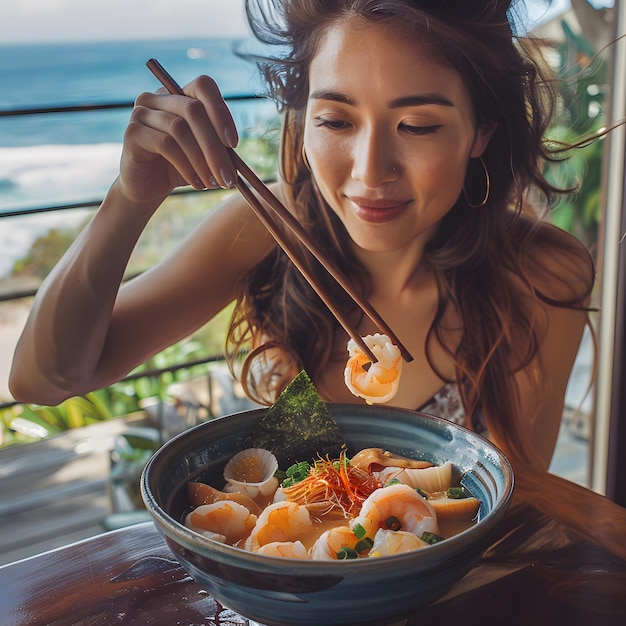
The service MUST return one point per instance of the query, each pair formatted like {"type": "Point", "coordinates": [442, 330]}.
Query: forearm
{"type": "Point", "coordinates": [63, 339]}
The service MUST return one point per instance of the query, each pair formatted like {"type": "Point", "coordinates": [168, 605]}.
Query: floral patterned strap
{"type": "Point", "coordinates": [446, 403]}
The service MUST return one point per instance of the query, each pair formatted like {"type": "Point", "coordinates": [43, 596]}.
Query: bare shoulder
{"type": "Point", "coordinates": [559, 266]}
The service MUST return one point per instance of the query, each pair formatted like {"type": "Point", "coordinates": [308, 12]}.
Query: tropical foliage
{"type": "Point", "coordinates": [583, 89]}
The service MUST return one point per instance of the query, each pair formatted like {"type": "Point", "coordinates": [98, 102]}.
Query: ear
{"type": "Point", "coordinates": [483, 135]}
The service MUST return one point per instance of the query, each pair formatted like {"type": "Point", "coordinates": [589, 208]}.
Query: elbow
{"type": "Point", "coordinates": [29, 386]}
{"type": "Point", "coordinates": [25, 392]}
{"type": "Point", "coordinates": [47, 375]}
{"type": "Point", "coordinates": [39, 378]}
{"type": "Point", "coordinates": [19, 386]}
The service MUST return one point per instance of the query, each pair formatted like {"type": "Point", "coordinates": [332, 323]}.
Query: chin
{"type": "Point", "coordinates": [377, 242]}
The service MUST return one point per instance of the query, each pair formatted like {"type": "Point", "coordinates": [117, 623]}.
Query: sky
{"type": "Point", "coordinates": [84, 20]}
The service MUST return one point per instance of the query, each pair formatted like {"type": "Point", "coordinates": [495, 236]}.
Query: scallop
{"type": "Point", "coordinates": [429, 479]}
{"type": "Point", "coordinates": [373, 458]}
{"type": "Point", "coordinates": [251, 472]}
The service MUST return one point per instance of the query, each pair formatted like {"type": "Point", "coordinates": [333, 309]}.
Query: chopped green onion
{"type": "Point", "coordinates": [456, 493]}
{"type": "Point", "coordinates": [393, 481]}
{"type": "Point", "coordinates": [359, 531]}
{"type": "Point", "coordinates": [422, 492]}
{"type": "Point", "coordinates": [431, 538]}
{"type": "Point", "coordinates": [296, 473]}
{"type": "Point", "coordinates": [347, 553]}
{"type": "Point", "coordinates": [364, 545]}
{"type": "Point", "coordinates": [299, 469]}
{"type": "Point", "coordinates": [393, 523]}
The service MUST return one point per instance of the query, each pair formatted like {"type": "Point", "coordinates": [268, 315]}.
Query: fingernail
{"type": "Point", "coordinates": [227, 179]}
{"type": "Point", "coordinates": [231, 139]}
{"type": "Point", "coordinates": [213, 182]}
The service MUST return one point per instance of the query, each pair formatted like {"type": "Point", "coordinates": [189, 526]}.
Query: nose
{"type": "Point", "coordinates": [373, 159]}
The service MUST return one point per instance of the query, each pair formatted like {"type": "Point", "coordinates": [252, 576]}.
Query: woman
{"type": "Point", "coordinates": [412, 140]}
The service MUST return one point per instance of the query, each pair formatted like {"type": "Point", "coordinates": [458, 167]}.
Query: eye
{"type": "Point", "coordinates": [420, 130]}
{"type": "Point", "coordinates": [333, 124]}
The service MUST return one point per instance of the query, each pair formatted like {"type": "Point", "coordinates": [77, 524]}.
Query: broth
{"type": "Point", "coordinates": [448, 526]}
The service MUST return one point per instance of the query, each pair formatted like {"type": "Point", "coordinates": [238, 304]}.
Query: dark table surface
{"type": "Point", "coordinates": [558, 558]}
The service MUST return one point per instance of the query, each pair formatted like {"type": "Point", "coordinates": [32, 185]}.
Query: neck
{"type": "Point", "coordinates": [393, 272]}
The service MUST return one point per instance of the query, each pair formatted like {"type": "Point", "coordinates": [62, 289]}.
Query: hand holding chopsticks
{"type": "Point", "coordinates": [244, 172]}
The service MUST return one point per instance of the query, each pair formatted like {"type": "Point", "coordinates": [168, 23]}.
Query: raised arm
{"type": "Point", "coordinates": [84, 332]}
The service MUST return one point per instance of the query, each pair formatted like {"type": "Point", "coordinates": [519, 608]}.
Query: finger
{"type": "Point", "coordinates": [149, 135]}
{"type": "Point", "coordinates": [178, 129]}
{"type": "Point", "coordinates": [215, 153]}
{"type": "Point", "coordinates": [193, 112]}
{"type": "Point", "coordinates": [205, 89]}
{"type": "Point", "coordinates": [147, 146]}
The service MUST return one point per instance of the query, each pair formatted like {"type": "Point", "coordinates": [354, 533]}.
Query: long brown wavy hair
{"type": "Point", "coordinates": [483, 258]}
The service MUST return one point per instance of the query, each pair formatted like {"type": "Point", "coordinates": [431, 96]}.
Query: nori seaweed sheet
{"type": "Point", "coordinates": [298, 426]}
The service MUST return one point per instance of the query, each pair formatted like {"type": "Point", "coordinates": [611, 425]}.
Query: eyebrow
{"type": "Point", "coordinates": [407, 101]}
{"type": "Point", "coordinates": [421, 100]}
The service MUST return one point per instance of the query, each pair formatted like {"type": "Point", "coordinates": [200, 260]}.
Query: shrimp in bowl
{"type": "Point", "coordinates": [374, 382]}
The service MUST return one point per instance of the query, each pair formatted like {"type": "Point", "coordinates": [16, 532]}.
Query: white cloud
{"type": "Point", "coordinates": [80, 20]}
{"type": "Point", "coordinates": [30, 8]}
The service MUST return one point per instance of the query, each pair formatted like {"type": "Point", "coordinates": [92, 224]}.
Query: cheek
{"type": "Point", "coordinates": [441, 175]}
{"type": "Point", "coordinates": [326, 151]}
{"type": "Point", "coordinates": [330, 164]}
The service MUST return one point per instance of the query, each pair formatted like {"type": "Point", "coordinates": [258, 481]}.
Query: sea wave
{"type": "Point", "coordinates": [49, 175]}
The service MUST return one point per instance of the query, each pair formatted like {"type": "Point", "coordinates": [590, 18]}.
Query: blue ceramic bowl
{"type": "Point", "coordinates": [284, 592]}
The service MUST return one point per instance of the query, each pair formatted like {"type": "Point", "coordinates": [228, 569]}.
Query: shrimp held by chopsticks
{"type": "Point", "coordinates": [374, 382]}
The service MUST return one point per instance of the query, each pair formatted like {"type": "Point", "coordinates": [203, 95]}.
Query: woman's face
{"type": "Point", "coordinates": [388, 134]}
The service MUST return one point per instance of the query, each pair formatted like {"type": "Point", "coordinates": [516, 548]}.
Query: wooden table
{"type": "Point", "coordinates": [540, 570]}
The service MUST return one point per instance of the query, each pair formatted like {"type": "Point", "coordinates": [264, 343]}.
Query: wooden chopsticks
{"type": "Point", "coordinates": [290, 221]}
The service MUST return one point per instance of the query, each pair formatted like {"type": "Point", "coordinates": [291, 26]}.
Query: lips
{"type": "Point", "coordinates": [378, 211]}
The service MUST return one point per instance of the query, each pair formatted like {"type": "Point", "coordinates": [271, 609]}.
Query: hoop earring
{"type": "Point", "coordinates": [305, 160]}
{"type": "Point", "coordinates": [487, 188]}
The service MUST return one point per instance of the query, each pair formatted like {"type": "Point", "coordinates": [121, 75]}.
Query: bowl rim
{"type": "Point", "coordinates": [178, 532]}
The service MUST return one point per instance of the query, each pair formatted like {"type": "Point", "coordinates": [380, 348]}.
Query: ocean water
{"type": "Point", "coordinates": [64, 158]}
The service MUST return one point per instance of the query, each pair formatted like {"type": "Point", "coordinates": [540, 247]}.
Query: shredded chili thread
{"type": "Point", "coordinates": [335, 482]}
